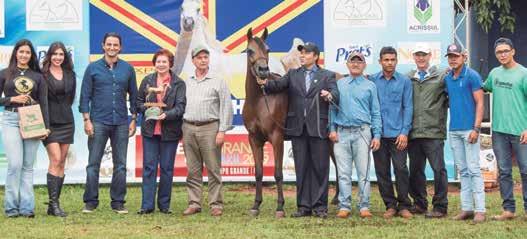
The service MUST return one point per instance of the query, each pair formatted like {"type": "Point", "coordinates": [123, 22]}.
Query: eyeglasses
{"type": "Point", "coordinates": [503, 52]}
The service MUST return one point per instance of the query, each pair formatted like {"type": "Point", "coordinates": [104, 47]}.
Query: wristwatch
{"type": "Point", "coordinates": [477, 129]}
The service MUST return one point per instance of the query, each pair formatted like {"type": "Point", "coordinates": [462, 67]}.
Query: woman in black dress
{"type": "Point", "coordinates": [58, 72]}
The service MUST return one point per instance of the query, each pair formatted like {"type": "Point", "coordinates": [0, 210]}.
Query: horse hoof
{"type": "Point", "coordinates": [254, 212]}
{"type": "Point", "coordinates": [280, 214]}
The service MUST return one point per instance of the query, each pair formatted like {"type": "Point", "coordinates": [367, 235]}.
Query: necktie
{"type": "Point", "coordinates": [308, 80]}
{"type": "Point", "coordinates": [422, 75]}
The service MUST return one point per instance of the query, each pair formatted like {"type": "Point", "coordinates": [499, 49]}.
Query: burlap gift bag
{"type": "Point", "coordinates": [31, 122]}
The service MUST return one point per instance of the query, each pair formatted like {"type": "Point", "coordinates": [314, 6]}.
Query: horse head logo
{"type": "Point", "coordinates": [23, 85]}
{"type": "Point", "coordinates": [422, 5]}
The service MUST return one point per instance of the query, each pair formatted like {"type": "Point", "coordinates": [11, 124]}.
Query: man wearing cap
{"type": "Point", "coordinates": [395, 97]}
{"type": "Point", "coordinates": [208, 115]}
{"type": "Point", "coordinates": [428, 134]}
{"type": "Point", "coordinates": [352, 125]}
{"type": "Point", "coordinates": [466, 113]}
{"type": "Point", "coordinates": [310, 88]}
{"type": "Point", "coordinates": [508, 84]}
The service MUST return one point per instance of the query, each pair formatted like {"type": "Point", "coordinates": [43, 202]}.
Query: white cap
{"type": "Point", "coordinates": [422, 47]}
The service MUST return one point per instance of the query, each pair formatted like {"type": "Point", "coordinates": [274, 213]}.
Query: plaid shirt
{"type": "Point", "coordinates": [209, 99]}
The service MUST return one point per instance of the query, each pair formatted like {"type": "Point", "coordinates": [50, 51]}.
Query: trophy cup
{"type": "Point", "coordinates": [154, 109]}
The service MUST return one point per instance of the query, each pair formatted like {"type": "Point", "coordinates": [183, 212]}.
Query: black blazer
{"type": "Point", "coordinates": [175, 100]}
{"type": "Point", "coordinates": [59, 105]}
{"type": "Point", "coordinates": [303, 102]}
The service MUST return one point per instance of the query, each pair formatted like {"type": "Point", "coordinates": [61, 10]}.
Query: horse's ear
{"type": "Point", "coordinates": [265, 34]}
{"type": "Point", "coordinates": [250, 33]}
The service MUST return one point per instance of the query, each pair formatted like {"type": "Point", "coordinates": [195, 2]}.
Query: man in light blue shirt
{"type": "Point", "coordinates": [395, 96]}
{"type": "Point", "coordinates": [352, 125]}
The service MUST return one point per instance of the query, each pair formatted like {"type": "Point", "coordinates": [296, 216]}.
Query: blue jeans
{"type": "Point", "coordinates": [504, 145]}
{"type": "Point", "coordinates": [162, 153]}
{"type": "Point", "coordinates": [353, 147]}
{"type": "Point", "coordinates": [21, 154]}
{"type": "Point", "coordinates": [466, 157]}
{"type": "Point", "coordinates": [118, 135]}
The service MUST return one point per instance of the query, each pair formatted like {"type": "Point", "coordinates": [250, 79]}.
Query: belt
{"type": "Point", "coordinates": [352, 127]}
{"type": "Point", "coordinates": [199, 123]}
{"type": "Point", "coordinates": [11, 109]}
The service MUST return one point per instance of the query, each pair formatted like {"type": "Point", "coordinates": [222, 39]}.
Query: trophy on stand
{"type": "Point", "coordinates": [154, 108]}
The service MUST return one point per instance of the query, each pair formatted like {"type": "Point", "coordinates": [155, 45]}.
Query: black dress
{"type": "Point", "coordinates": [60, 99]}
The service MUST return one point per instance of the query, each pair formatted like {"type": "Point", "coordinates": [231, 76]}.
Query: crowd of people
{"type": "Point", "coordinates": [397, 116]}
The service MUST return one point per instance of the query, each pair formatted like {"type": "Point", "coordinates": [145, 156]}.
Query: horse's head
{"type": "Point", "coordinates": [258, 55]}
{"type": "Point", "coordinates": [189, 14]}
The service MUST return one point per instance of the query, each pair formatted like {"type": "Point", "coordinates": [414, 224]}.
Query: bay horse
{"type": "Point", "coordinates": [264, 117]}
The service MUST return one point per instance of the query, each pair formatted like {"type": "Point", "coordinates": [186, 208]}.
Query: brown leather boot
{"type": "Point", "coordinates": [391, 212]}
{"type": "Point", "coordinates": [479, 217]}
{"type": "Point", "coordinates": [191, 210]}
{"type": "Point", "coordinates": [365, 213]}
{"type": "Point", "coordinates": [343, 214]}
{"type": "Point", "coordinates": [216, 212]}
{"type": "Point", "coordinates": [405, 213]}
{"type": "Point", "coordinates": [504, 216]}
{"type": "Point", "coordinates": [464, 215]}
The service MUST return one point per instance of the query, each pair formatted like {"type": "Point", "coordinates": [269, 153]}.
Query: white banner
{"type": "Point", "coordinates": [2, 19]}
{"type": "Point", "coordinates": [53, 15]}
{"type": "Point", "coordinates": [423, 16]}
{"type": "Point", "coordinates": [356, 13]}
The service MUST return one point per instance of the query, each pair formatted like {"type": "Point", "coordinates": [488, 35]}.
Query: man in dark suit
{"type": "Point", "coordinates": [310, 89]}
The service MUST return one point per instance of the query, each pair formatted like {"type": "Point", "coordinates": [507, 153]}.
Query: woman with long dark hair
{"type": "Point", "coordinates": [21, 83]}
{"type": "Point", "coordinates": [57, 69]}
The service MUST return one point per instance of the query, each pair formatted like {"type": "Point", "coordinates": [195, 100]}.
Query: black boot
{"type": "Point", "coordinates": [54, 188]}
{"type": "Point", "coordinates": [61, 182]}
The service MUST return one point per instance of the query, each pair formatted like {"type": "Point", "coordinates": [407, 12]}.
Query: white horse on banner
{"type": "Point", "coordinates": [195, 31]}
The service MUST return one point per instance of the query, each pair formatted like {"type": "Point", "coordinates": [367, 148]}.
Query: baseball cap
{"type": "Point", "coordinates": [309, 47]}
{"type": "Point", "coordinates": [454, 49]}
{"type": "Point", "coordinates": [421, 47]}
{"type": "Point", "coordinates": [356, 54]}
{"type": "Point", "coordinates": [199, 49]}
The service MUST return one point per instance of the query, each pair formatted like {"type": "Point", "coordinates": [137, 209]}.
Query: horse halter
{"type": "Point", "coordinates": [255, 68]}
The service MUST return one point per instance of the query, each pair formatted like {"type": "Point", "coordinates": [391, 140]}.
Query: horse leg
{"type": "Point", "coordinates": [257, 150]}
{"type": "Point", "coordinates": [277, 140]}
{"type": "Point", "coordinates": [335, 200]}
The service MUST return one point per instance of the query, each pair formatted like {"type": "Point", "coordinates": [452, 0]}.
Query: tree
{"type": "Point", "coordinates": [486, 11]}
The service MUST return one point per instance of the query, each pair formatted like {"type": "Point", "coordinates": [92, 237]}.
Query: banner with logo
{"type": "Point", "coordinates": [43, 22]}
{"type": "Point", "coordinates": [367, 26]}
{"type": "Point", "coordinates": [337, 27]}
{"type": "Point", "coordinates": [2, 19]}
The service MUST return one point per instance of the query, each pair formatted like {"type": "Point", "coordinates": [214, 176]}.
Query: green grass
{"type": "Point", "coordinates": [237, 223]}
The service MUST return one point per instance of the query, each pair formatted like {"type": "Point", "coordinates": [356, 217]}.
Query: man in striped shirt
{"type": "Point", "coordinates": [208, 115]}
